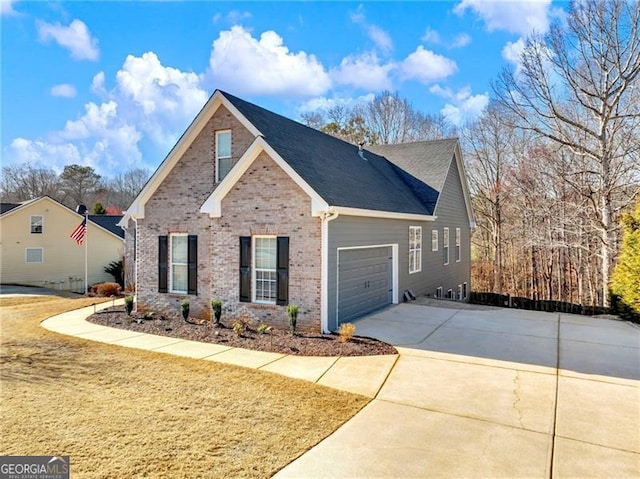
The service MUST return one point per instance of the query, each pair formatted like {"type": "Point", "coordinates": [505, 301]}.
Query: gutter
{"type": "Point", "coordinates": [326, 216]}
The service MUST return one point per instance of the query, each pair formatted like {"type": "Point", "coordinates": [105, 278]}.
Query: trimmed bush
{"type": "Point", "coordinates": [107, 289]}
{"type": "Point", "coordinates": [346, 332]}
{"type": "Point", "coordinates": [292, 312]}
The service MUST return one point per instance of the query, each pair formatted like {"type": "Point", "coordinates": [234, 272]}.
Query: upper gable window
{"type": "Point", "coordinates": [36, 224]}
{"type": "Point", "coordinates": [223, 154]}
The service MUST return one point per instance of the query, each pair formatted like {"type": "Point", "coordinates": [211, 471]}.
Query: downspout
{"type": "Point", "coordinates": [328, 215]}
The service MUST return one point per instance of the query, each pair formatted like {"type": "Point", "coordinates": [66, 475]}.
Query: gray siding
{"type": "Point", "coordinates": [351, 231]}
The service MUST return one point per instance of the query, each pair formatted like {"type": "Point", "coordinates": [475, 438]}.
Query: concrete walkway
{"type": "Point", "coordinates": [474, 393]}
{"type": "Point", "coordinates": [360, 375]}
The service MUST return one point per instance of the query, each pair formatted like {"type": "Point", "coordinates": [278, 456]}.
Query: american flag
{"type": "Point", "coordinates": [80, 232]}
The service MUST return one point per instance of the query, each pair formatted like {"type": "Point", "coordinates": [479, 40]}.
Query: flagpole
{"type": "Point", "coordinates": [86, 256]}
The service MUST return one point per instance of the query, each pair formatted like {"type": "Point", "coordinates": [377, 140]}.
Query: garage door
{"type": "Point", "coordinates": [364, 281]}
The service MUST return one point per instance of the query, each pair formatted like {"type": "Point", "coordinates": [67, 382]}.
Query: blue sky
{"type": "Point", "coordinates": [114, 84]}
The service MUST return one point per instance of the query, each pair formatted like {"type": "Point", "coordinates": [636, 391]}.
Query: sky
{"type": "Point", "coordinates": [113, 85]}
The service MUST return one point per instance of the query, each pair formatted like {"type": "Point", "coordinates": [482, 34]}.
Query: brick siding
{"type": "Point", "coordinates": [264, 201]}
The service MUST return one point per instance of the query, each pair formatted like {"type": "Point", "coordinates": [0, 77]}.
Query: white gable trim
{"type": "Point", "coordinates": [213, 204]}
{"type": "Point", "coordinates": [136, 210]}
{"type": "Point", "coordinates": [391, 215]}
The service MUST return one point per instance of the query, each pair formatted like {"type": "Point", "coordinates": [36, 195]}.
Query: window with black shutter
{"type": "Point", "coordinates": [192, 261]}
{"type": "Point", "coordinates": [245, 269]}
{"type": "Point", "coordinates": [163, 249]}
{"type": "Point", "coordinates": [283, 270]}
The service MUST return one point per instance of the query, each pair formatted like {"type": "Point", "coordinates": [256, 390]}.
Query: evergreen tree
{"type": "Point", "coordinates": [625, 283]}
{"type": "Point", "coordinates": [98, 209]}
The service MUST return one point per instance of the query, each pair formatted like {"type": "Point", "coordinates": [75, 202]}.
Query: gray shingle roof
{"type": "Point", "coordinates": [335, 170]}
{"type": "Point", "coordinates": [108, 222]}
{"type": "Point", "coordinates": [4, 207]}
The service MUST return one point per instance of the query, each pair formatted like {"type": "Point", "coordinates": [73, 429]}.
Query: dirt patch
{"type": "Point", "coordinates": [273, 340]}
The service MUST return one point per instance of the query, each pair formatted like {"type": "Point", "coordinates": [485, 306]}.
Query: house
{"type": "Point", "coordinates": [260, 211]}
{"type": "Point", "coordinates": [36, 247]}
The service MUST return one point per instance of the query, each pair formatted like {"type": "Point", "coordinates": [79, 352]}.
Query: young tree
{"type": "Point", "coordinates": [578, 86]}
{"type": "Point", "coordinates": [625, 281]}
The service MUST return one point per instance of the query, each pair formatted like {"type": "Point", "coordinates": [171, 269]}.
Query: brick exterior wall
{"type": "Point", "coordinates": [129, 256]}
{"type": "Point", "coordinates": [265, 201]}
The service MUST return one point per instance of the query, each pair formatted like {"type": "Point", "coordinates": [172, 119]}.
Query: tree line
{"type": "Point", "coordinates": [553, 163]}
{"type": "Point", "coordinates": [76, 185]}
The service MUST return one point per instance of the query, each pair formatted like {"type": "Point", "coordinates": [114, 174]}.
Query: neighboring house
{"type": "Point", "coordinates": [260, 211]}
{"type": "Point", "coordinates": [36, 249]}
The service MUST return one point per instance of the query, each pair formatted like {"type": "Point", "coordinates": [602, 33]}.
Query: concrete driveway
{"type": "Point", "coordinates": [492, 393]}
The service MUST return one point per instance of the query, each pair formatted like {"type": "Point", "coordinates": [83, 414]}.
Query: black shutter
{"type": "Point", "coordinates": [192, 260]}
{"type": "Point", "coordinates": [163, 250]}
{"type": "Point", "coordinates": [245, 269]}
{"type": "Point", "coordinates": [283, 270]}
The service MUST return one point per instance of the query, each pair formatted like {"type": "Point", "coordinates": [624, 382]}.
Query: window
{"type": "Point", "coordinates": [33, 255]}
{"type": "Point", "coordinates": [415, 249]}
{"type": "Point", "coordinates": [439, 292]}
{"type": "Point", "coordinates": [460, 297]}
{"type": "Point", "coordinates": [178, 263]}
{"type": "Point", "coordinates": [445, 246]}
{"type": "Point", "coordinates": [36, 224]}
{"type": "Point", "coordinates": [223, 154]}
{"type": "Point", "coordinates": [178, 258]}
{"type": "Point", "coordinates": [434, 240]}
{"type": "Point", "coordinates": [449, 294]}
{"type": "Point", "coordinates": [457, 245]}
{"type": "Point", "coordinates": [464, 290]}
{"type": "Point", "coordinates": [264, 269]}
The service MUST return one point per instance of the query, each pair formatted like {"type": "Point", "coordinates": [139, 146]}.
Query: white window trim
{"type": "Point", "coordinates": [459, 292]}
{"type": "Point", "coordinates": [31, 224]}
{"type": "Point", "coordinates": [171, 263]}
{"type": "Point", "coordinates": [445, 244]}
{"type": "Point", "coordinates": [458, 255]}
{"type": "Point", "coordinates": [254, 269]}
{"type": "Point", "coordinates": [417, 267]}
{"type": "Point", "coordinates": [218, 157]}
{"type": "Point", "coordinates": [34, 262]}
{"type": "Point", "coordinates": [434, 240]}
{"type": "Point", "coordinates": [439, 292]}
{"type": "Point", "coordinates": [466, 290]}
{"type": "Point", "coordinates": [449, 294]}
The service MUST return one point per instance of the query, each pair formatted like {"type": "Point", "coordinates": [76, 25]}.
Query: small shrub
{"type": "Point", "coordinates": [107, 289]}
{"type": "Point", "coordinates": [346, 332]}
{"type": "Point", "coordinates": [184, 308]}
{"type": "Point", "coordinates": [292, 312]}
{"type": "Point", "coordinates": [216, 305]}
{"type": "Point", "coordinates": [128, 303]}
{"type": "Point", "coordinates": [238, 327]}
{"type": "Point", "coordinates": [263, 328]}
{"type": "Point", "coordinates": [148, 315]}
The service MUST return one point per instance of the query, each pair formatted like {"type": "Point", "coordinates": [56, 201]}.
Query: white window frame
{"type": "Point", "coordinates": [434, 240]}
{"type": "Point", "coordinates": [459, 292]}
{"type": "Point", "coordinates": [415, 249]}
{"type": "Point", "coordinates": [172, 264]}
{"type": "Point", "coordinates": [218, 157]}
{"type": "Point", "coordinates": [439, 292]}
{"type": "Point", "coordinates": [464, 290]}
{"type": "Point", "coordinates": [31, 224]}
{"type": "Point", "coordinates": [254, 270]}
{"type": "Point", "coordinates": [26, 255]}
{"type": "Point", "coordinates": [449, 294]}
{"type": "Point", "coordinates": [457, 245]}
{"type": "Point", "coordinates": [445, 245]}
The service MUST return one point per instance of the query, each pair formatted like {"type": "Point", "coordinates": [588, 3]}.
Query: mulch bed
{"type": "Point", "coordinates": [274, 340]}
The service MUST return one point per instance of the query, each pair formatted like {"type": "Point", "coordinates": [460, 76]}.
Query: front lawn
{"type": "Point", "coordinates": [122, 412]}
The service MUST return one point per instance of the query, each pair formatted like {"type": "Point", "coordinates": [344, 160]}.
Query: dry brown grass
{"type": "Point", "coordinates": [126, 413]}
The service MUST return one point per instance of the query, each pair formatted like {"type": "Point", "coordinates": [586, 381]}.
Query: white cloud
{"type": "Point", "coordinates": [246, 65]}
{"type": "Point", "coordinates": [463, 107]}
{"type": "Point", "coordinates": [6, 7]}
{"type": "Point", "coordinates": [515, 17]}
{"type": "Point", "coordinates": [43, 153]}
{"type": "Point", "coordinates": [377, 35]}
{"type": "Point", "coordinates": [363, 71]}
{"type": "Point", "coordinates": [461, 40]}
{"type": "Point", "coordinates": [233, 17]}
{"type": "Point", "coordinates": [97, 84]}
{"type": "Point", "coordinates": [76, 38]}
{"type": "Point", "coordinates": [426, 66]}
{"type": "Point", "coordinates": [431, 36]}
{"type": "Point", "coordinates": [64, 90]}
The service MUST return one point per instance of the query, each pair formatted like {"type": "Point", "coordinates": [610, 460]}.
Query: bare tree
{"type": "Point", "coordinates": [25, 182]}
{"type": "Point", "coordinates": [121, 190]}
{"type": "Point", "coordinates": [578, 87]}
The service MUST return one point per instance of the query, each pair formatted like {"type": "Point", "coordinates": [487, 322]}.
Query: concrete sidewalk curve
{"type": "Point", "coordinates": [363, 375]}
